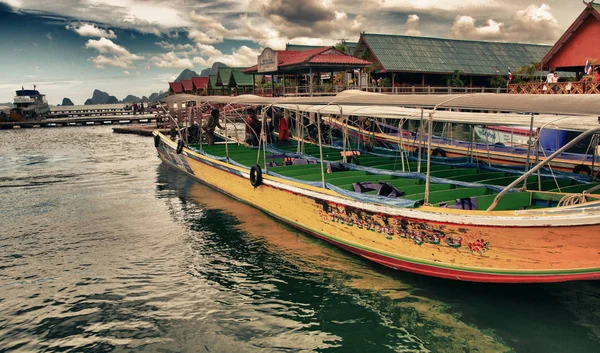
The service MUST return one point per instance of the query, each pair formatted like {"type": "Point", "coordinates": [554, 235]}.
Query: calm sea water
{"type": "Point", "coordinates": [103, 249]}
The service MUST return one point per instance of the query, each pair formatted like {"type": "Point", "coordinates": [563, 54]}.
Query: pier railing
{"type": "Point", "coordinates": [579, 87]}
{"type": "Point", "coordinates": [328, 90]}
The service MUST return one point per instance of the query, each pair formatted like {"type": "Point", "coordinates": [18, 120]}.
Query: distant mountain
{"type": "Point", "coordinates": [67, 101]}
{"type": "Point", "coordinates": [99, 97]}
{"type": "Point", "coordinates": [155, 97]}
{"type": "Point", "coordinates": [205, 72]}
{"type": "Point", "coordinates": [186, 75]}
{"type": "Point", "coordinates": [131, 99]}
{"type": "Point", "coordinates": [212, 70]}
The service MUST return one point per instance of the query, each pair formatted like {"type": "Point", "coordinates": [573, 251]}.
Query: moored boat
{"type": "Point", "coordinates": [464, 233]}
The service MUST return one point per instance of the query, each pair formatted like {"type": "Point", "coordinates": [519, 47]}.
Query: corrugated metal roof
{"type": "Point", "coordinates": [441, 55]}
{"type": "Point", "coordinates": [225, 73]}
{"type": "Point", "coordinates": [187, 85]}
{"type": "Point", "coordinates": [200, 82]}
{"type": "Point", "coordinates": [350, 47]}
{"type": "Point", "coordinates": [214, 80]}
{"type": "Point", "coordinates": [176, 87]}
{"type": "Point", "coordinates": [318, 55]}
{"type": "Point", "coordinates": [337, 59]}
{"type": "Point", "coordinates": [240, 78]}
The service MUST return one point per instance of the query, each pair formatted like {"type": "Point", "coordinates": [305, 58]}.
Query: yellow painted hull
{"type": "Point", "coordinates": [503, 246]}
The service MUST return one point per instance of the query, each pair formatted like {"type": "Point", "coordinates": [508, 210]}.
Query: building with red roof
{"type": "Point", "coordinates": [579, 43]}
{"type": "Point", "coordinates": [188, 86]}
{"type": "Point", "coordinates": [323, 59]}
{"type": "Point", "coordinates": [576, 52]}
{"type": "Point", "coordinates": [311, 61]}
{"type": "Point", "coordinates": [175, 88]}
{"type": "Point", "coordinates": [200, 83]}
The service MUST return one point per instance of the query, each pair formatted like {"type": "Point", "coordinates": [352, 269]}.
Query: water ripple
{"type": "Point", "coordinates": [104, 249]}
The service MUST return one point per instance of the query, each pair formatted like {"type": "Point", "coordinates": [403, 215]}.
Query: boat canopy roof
{"type": "Point", "coordinates": [546, 121]}
{"type": "Point", "coordinates": [566, 104]}
{"type": "Point", "coordinates": [563, 112]}
{"type": "Point", "coordinates": [27, 92]}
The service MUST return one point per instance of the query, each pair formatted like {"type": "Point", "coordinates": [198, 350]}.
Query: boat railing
{"type": "Point", "coordinates": [540, 165]}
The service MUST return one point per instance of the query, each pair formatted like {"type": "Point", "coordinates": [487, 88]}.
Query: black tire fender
{"type": "Point", "coordinates": [582, 169]}
{"type": "Point", "coordinates": [255, 175]}
{"type": "Point", "coordinates": [179, 147]}
{"type": "Point", "coordinates": [156, 141]}
{"type": "Point", "coordinates": [438, 152]}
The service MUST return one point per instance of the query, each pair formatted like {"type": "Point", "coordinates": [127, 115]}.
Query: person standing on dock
{"type": "Point", "coordinates": [252, 128]}
{"type": "Point", "coordinates": [211, 123]}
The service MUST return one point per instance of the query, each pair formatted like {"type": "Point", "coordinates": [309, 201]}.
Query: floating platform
{"type": "Point", "coordinates": [138, 130]}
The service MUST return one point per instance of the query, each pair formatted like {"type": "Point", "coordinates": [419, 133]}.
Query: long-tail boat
{"type": "Point", "coordinates": [416, 223]}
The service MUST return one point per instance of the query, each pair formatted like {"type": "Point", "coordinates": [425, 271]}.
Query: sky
{"type": "Point", "coordinates": [68, 48]}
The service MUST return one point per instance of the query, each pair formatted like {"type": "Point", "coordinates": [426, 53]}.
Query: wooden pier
{"type": "Point", "coordinates": [82, 121]}
{"type": "Point", "coordinates": [92, 110]}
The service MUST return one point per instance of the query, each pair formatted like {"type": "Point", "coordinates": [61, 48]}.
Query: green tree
{"type": "Point", "coordinates": [527, 73]}
{"type": "Point", "coordinates": [341, 46]}
{"type": "Point", "coordinates": [454, 80]}
{"type": "Point", "coordinates": [498, 81]}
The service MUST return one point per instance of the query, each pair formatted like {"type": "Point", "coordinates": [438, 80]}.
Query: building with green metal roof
{"type": "Point", "coordinates": [413, 60]}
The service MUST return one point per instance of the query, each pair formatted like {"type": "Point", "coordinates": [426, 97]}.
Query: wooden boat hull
{"type": "Point", "coordinates": [503, 246]}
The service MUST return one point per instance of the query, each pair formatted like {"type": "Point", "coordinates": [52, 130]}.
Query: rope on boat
{"type": "Point", "coordinates": [573, 199]}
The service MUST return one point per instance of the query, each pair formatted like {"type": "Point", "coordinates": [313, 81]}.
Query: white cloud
{"type": "Point", "coordinates": [534, 24]}
{"type": "Point", "coordinates": [412, 26]}
{"type": "Point", "coordinates": [171, 60]}
{"type": "Point", "coordinates": [175, 47]}
{"type": "Point", "coordinates": [242, 56]}
{"type": "Point", "coordinates": [445, 5]}
{"type": "Point", "coordinates": [90, 30]}
{"type": "Point", "coordinates": [464, 27]}
{"type": "Point", "coordinates": [118, 56]}
{"type": "Point", "coordinates": [126, 72]}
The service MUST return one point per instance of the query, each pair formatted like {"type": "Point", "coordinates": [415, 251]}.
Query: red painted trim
{"type": "Point", "coordinates": [516, 131]}
{"type": "Point", "coordinates": [446, 273]}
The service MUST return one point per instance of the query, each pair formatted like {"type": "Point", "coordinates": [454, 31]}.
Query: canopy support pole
{"type": "Point", "coordinates": [420, 142]}
{"type": "Point", "coordinates": [427, 180]}
{"type": "Point", "coordinates": [537, 158]}
{"type": "Point", "coordinates": [471, 142]}
{"type": "Point", "coordinates": [344, 135]}
{"type": "Point", "coordinates": [318, 121]}
{"type": "Point", "coordinates": [596, 139]}
{"type": "Point", "coordinates": [310, 81]}
{"type": "Point", "coordinates": [529, 142]}
{"type": "Point", "coordinates": [542, 164]}
{"type": "Point", "coordinates": [298, 137]}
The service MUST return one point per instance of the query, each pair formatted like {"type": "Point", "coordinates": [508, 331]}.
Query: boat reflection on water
{"type": "Point", "coordinates": [339, 300]}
